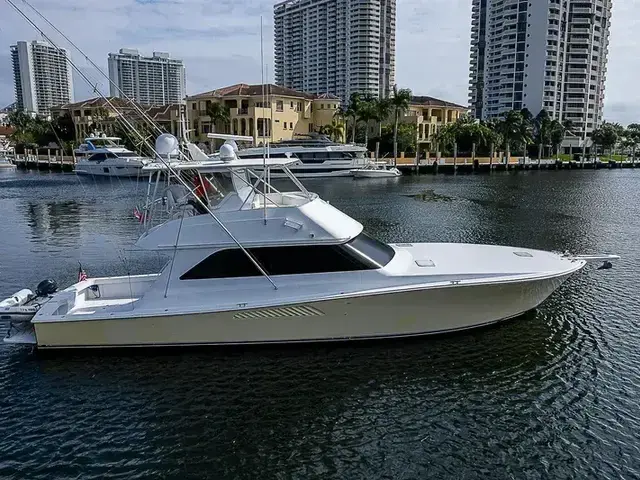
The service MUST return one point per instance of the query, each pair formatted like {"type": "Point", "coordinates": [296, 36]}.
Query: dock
{"type": "Point", "coordinates": [448, 166]}
{"type": "Point", "coordinates": [54, 163]}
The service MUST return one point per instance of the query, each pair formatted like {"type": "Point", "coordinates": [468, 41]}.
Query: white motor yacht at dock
{"type": "Point", "coordinates": [104, 156]}
{"type": "Point", "coordinates": [318, 155]}
{"type": "Point", "coordinates": [252, 264]}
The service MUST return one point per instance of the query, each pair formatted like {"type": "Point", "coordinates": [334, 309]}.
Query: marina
{"type": "Point", "coordinates": [576, 353]}
{"type": "Point", "coordinates": [381, 284]}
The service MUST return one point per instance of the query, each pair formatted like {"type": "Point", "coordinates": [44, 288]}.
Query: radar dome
{"type": "Point", "coordinates": [233, 144]}
{"type": "Point", "coordinates": [226, 152]}
{"type": "Point", "coordinates": [166, 144]}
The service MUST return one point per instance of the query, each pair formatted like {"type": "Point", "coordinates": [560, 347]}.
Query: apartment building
{"type": "Point", "coordinates": [336, 46]}
{"type": "Point", "coordinates": [271, 114]}
{"type": "Point", "coordinates": [155, 80]}
{"type": "Point", "coordinates": [545, 54]}
{"type": "Point", "coordinates": [42, 76]}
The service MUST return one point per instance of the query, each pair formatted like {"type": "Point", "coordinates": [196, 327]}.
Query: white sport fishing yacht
{"type": "Point", "coordinates": [104, 156]}
{"type": "Point", "coordinates": [253, 264]}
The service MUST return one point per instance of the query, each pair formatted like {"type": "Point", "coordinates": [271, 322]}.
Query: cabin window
{"type": "Point", "coordinates": [361, 253]}
{"type": "Point", "coordinates": [98, 157]}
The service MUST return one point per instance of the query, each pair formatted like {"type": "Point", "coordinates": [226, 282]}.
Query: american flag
{"type": "Point", "coordinates": [82, 275]}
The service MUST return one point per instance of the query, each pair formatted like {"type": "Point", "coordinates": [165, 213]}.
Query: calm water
{"type": "Point", "coordinates": [551, 395]}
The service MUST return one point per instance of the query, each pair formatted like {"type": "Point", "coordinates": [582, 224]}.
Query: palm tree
{"type": "Point", "coordinates": [368, 112]}
{"type": "Point", "coordinates": [399, 104]}
{"type": "Point", "coordinates": [353, 111]}
{"type": "Point", "coordinates": [632, 135]}
{"type": "Point", "coordinates": [515, 128]}
{"type": "Point", "coordinates": [382, 110]}
{"type": "Point", "coordinates": [448, 136]}
{"type": "Point", "coordinates": [557, 132]}
{"type": "Point", "coordinates": [494, 138]}
{"type": "Point", "coordinates": [334, 130]}
{"type": "Point", "coordinates": [218, 113]}
{"type": "Point", "coordinates": [542, 131]}
{"type": "Point", "coordinates": [476, 132]}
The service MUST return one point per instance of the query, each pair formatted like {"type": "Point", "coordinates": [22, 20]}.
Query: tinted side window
{"type": "Point", "coordinates": [232, 263]}
{"type": "Point", "coordinates": [98, 157]}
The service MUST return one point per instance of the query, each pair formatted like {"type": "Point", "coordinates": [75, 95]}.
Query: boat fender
{"type": "Point", "coordinates": [46, 287]}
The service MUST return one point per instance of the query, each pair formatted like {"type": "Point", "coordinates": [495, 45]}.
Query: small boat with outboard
{"type": "Point", "coordinates": [376, 170]}
{"type": "Point", "coordinates": [254, 263]}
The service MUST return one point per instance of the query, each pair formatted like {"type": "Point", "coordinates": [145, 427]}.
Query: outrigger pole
{"type": "Point", "coordinates": [135, 131]}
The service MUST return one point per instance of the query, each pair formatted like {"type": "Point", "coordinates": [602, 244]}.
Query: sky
{"type": "Point", "coordinates": [219, 41]}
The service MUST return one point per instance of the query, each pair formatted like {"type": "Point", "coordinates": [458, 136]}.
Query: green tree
{"type": "Point", "coordinates": [557, 132]}
{"type": "Point", "coordinates": [399, 104]}
{"type": "Point", "coordinates": [219, 114]}
{"type": "Point", "coordinates": [542, 131]}
{"type": "Point", "coordinates": [353, 112]}
{"type": "Point", "coordinates": [335, 130]}
{"type": "Point", "coordinates": [515, 128]}
{"type": "Point", "coordinates": [494, 138]}
{"type": "Point", "coordinates": [404, 139]}
{"type": "Point", "coordinates": [382, 109]}
{"type": "Point", "coordinates": [367, 113]}
{"type": "Point", "coordinates": [606, 136]}
{"type": "Point", "coordinates": [632, 137]}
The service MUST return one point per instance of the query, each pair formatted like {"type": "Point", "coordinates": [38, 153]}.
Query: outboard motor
{"type": "Point", "coordinates": [46, 287]}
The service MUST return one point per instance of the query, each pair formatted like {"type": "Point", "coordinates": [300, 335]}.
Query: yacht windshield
{"type": "Point", "coordinates": [213, 186]}
{"type": "Point", "coordinates": [127, 154]}
{"type": "Point", "coordinates": [370, 248]}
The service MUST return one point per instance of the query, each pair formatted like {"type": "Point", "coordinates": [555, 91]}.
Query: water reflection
{"type": "Point", "coordinates": [550, 395]}
{"type": "Point", "coordinates": [54, 220]}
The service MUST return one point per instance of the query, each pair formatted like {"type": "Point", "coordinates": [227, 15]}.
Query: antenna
{"type": "Point", "coordinates": [266, 141]}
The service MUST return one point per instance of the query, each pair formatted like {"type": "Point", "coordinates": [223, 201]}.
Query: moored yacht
{"type": "Point", "coordinates": [104, 156]}
{"type": "Point", "coordinates": [318, 155]}
{"type": "Point", "coordinates": [253, 264]}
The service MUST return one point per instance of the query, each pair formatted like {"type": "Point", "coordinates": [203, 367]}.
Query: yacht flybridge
{"type": "Point", "coordinates": [250, 263]}
{"type": "Point", "coordinates": [104, 156]}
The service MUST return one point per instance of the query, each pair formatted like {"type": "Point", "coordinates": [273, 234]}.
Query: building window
{"type": "Point", "coordinates": [291, 105]}
{"type": "Point", "coordinates": [291, 125]}
{"type": "Point", "coordinates": [279, 106]}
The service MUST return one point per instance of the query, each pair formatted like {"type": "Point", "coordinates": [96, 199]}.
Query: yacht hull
{"type": "Point", "coordinates": [108, 170]}
{"type": "Point", "coordinates": [415, 312]}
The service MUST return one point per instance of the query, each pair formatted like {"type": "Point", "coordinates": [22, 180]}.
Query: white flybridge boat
{"type": "Point", "coordinates": [253, 264]}
{"type": "Point", "coordinates": [104, 156]}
